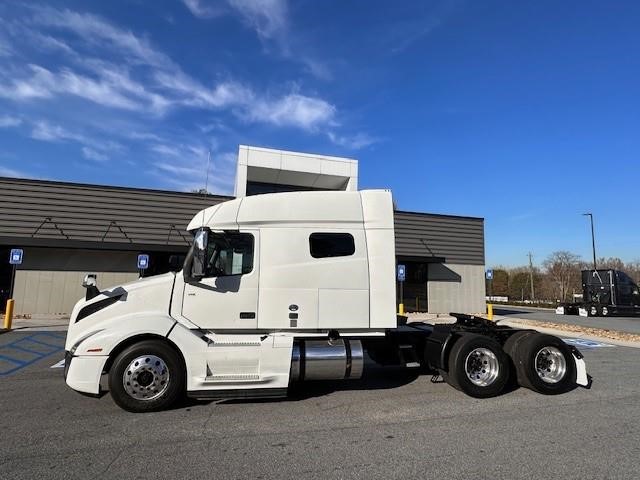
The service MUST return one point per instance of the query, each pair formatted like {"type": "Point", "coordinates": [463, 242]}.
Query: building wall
{"type": "Point", "coordinates": [34, 211]}
{"type": "Point", "coordinates": [50, 279]}
{"type": "Point", "coordinates": [456, 288]}
{"type": "Point", "coordinates": [459, 240]}
{"type": "Point", "coordinates": [455, 282]}
{"type": "Point", "coordinates": [47, 292]}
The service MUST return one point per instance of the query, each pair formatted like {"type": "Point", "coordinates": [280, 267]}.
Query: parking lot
{"type": "Point", "coordinates": [389, 425]}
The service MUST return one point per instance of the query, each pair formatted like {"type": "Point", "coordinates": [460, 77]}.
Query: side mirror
{"type": "Point", "coordinates": [90, 282]}
{"type": "Point", "coordinates": [195, 264]}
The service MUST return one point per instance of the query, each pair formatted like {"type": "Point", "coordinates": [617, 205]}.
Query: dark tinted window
{"type": "Point", "coordinates": [229, 254]}
{"type": "Point", "coordinates": [323, 245]}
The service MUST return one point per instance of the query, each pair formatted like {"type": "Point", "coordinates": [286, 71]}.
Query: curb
{"type": "Point", "coordinates": [505, 306]}
{"type": "Point", "coordinates": [563, 333]}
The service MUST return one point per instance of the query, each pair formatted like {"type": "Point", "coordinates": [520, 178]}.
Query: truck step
{"type": "Point", "coordinates": [232, 377]}
{"type": "Point", "coordinates": [408, 356]}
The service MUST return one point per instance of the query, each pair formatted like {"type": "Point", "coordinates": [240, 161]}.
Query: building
{"type": "Point", "coordinates": [67, 230]}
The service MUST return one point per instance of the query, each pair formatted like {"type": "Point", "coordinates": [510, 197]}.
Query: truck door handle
{"type": "Point", "coordinates": [247, 315]}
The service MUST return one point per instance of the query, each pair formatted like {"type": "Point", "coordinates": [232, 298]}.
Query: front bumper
{"type": "Point", "coordinates": [83, 373]}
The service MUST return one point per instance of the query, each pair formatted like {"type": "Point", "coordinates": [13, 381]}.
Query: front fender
{"type": "Point", "coordinates": [90, 351]}
{"type": "Point", "coordinates": [106, 335]}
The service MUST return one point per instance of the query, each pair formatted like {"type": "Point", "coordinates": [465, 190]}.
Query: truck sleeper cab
{"type": "Point", "coordinates": [283, 288]}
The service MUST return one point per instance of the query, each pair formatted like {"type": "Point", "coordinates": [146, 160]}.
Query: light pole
{"type": "Point", "coordinates": [593, 239]}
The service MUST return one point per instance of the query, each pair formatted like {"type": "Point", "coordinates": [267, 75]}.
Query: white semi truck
{"type": "Point", "coordinates": [283, 288]}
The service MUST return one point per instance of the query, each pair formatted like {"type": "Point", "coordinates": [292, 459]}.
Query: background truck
{"type": "Point", "coordinates": [605, 293]}
{"type": "Point", "coordinates": [283, 288]}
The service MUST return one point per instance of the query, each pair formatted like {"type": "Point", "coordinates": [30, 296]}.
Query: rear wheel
{"type": "Point", "coordinates": [544, 363]}
{"type": "Point", "coordinates": [478, 366]}
{"type": "Point", "coordinates": [147, 376]}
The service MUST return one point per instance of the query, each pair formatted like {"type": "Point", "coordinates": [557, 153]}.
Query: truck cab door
{"type": "Point", "coordinates": [227, 296]}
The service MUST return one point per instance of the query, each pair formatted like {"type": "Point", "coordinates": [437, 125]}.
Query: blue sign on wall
{"type": "Point", "coordinates": [143, 261]}
{"type": "Point", "coordinates": [15, 257]}
{"type": "Point", "coordinates": [402, 273]}
{"type": "Point", "coordinates": [489, 274]}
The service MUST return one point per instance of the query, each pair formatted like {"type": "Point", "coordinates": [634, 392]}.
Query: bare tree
{"type": "Point", "coordinates": [563, 269]}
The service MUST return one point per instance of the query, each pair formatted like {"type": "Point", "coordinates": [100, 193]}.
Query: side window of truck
{"type": "Point", "coordinates": [229, 254]}
{"type": "Point", "coordinates": [324, 245]}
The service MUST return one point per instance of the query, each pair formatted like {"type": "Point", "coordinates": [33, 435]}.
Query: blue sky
{"type": "Point", "coordinates": [524, 113]}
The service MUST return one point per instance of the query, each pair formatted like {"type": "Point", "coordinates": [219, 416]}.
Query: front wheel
{"type": "Point", "coordinates": [478, 366]}
{"type": "Point", "coordinates": [147, 376]}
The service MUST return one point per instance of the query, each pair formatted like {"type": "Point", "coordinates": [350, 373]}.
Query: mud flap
{"type": "Point", "coordinates": [582, 378]}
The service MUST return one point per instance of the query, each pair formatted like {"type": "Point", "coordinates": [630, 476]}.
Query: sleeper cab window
{"type": "Point", "coordinates": [325, 245]}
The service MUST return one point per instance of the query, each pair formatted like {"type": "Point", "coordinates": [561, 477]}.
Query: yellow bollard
{"type": "Point", "coordinates": [489, 311]}
{"type": "Point", "coordinates": [401, 309]}
{"type": "Point", "coordinates": [8, 314]}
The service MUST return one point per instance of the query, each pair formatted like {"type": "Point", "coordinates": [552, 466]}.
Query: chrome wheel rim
{"type": "Point", "coordinates": [146, 378]}
{"type": "Point", "coordinates": [551, 365]}
{"type": "Point", "coordinates": [482, 367]}
{"type": "Point", "coordinates": [605, 311]}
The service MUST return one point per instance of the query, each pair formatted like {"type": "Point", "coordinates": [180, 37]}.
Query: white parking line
{"type": "Point", "coordinates": [60, 364]}
{"type": "Point", "coordinates": [581, 342]}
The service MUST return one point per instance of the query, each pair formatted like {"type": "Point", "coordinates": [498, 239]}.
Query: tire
{"type": "Point", "coordinates": [605, 311]}
{"type": "Point", "coordinates": [593, 311]}
{"type": "Point", "coordinates": [478, 366]}
{"type": "Point", "coordinates": [510, 347]}
{"type": "Point", "coordinates": [544, 364]}
{"type": "Point", "coordinates": [146, 377]}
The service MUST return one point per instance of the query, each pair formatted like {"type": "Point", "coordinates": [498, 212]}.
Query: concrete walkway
{"type": "Point", "coordinates": [40, 323]}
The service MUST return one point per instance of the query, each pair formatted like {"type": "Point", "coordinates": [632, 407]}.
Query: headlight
{"type": "Point", "coordinates": [82, 339]}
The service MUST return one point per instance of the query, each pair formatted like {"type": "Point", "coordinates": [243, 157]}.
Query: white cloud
{"type": "Point", "coordinates": [92, 154]}
{"type": "Point", "coordinates": [112, 88]}
{"type": "Point", "coordinates": [47, 42]}
{"type": "Point", "coordinates": [5, 48]}
{"type": "Point", "coordinates": [96, 31]}
{"type": "Point", "coordinates": [114, 68]}
{"type": "Point", "coordinates": [355, 142]}
{"type": "Point", "coordinates": [158, 83]}
{"type": "Point", "coordinates": [7, 121]}
{"type": "Point", "coordinates": [203, 8]}
{"type": "Point", "coordinates": [52, 133]}
{"type": "Point", "coordinates": [47, 132]}
{"type": "Point", "coordinates": [10, 172]}
{"type": "Point", "coordinates": [185, 167]}
{"type": "Point", "coordinates": [294, 110]}
{"type": "Point", "coordinates": [192, 93]}
{"type": "Point", "coordinates": [267, 17]}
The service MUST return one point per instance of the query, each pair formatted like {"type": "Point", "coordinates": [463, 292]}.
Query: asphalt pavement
{"type": "Point", "coordinates": [388, 425]}
{"type": "Point", "coordinates": [620, 324]}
